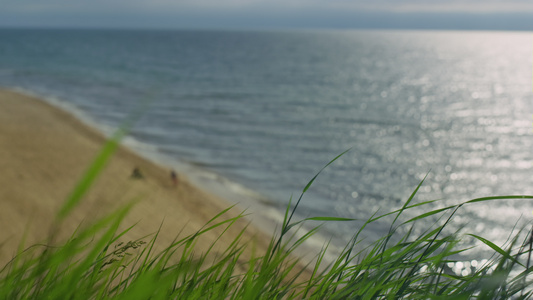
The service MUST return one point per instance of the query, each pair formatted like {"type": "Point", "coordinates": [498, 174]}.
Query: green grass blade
{"type": "Point", "coordinates": [496, 248]}
{"type": "Point", "coordinates": [311, 182]}
{"type": "Point", "coordinates": [430, 213]}
{"type": "Point", "coordinates": [499, 198]}
{"type": "Point", "coordinates": [90, 175]}
{"type": "Point", "coordinates": [330, 219]}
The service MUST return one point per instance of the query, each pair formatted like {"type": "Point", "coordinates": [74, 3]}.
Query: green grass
{"type": "Point", "coordinates": [92, 264]}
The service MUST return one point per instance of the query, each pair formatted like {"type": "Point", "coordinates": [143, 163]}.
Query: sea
{"type": "Point", "coordinates": [254, 115]}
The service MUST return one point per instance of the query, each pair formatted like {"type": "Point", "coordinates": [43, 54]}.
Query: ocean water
{"type": "Point", "coordinates": [258, 114]}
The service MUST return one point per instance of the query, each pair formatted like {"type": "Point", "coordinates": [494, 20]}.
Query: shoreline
{"type": "Point", "coordinates": [266, 214]}
{"type": "Point", "coordinates": [46, 149]}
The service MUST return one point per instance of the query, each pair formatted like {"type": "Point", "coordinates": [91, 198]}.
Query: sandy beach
{"type": "Point", "coordinates": [44, 151]}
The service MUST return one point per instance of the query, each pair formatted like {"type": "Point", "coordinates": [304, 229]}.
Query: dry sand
{"type": "Point", "coordinates": [44, 151]}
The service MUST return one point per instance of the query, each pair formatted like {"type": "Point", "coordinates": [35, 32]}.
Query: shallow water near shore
{"type": "Point", "coordinates": [259, 113]}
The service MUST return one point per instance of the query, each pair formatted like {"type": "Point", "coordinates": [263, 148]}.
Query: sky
{"type": "Point", "coordinates": [270, 14]}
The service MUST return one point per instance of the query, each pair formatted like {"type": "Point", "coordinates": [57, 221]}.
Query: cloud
{"type": "Point", "coordinates": [470, 6]}
{"type": "Point", "coordinates": [458, 6]}
{"type": "Point", "coordinates": [470, 14]}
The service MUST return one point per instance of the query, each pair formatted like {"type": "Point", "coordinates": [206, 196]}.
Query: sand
{"type": "Point", "coordinates": [44, 151]}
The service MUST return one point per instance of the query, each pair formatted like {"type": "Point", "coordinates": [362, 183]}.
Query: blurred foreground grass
{"type": "Point", "coordinates": [92, 264]}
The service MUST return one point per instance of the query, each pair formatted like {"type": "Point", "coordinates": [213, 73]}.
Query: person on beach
{"type": "Point", "coordinates": [136, 174]}
{"type": "Point", "coordinates": [174, 178]}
